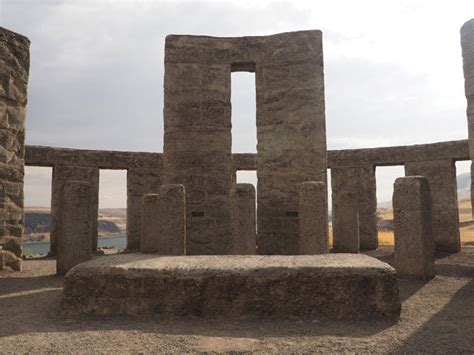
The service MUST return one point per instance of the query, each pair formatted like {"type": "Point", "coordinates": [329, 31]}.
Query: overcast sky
{"type": "Point", "coordinates": [393, 73]}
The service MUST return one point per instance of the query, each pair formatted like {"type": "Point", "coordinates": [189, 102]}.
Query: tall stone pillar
{"type": "Point", "coordinates": [360, 181]}
{"type": "Point", "coordinates": [414, 243]}
{"type": "Point", "coordinates": [345, 222]}
{"type": "Point", "coordinates": [467, 44]}
{"type": "Point", "coordinates": [14, 67]}
{"type": "Point", "coordinates": [61, 175]}
{"type": "Point", "coordinates": [244, 232]}
{"type": "Point", "coordinates": [291, 133]}
{"type": "Point", "coordinates": [140, 181]}
{"type": "Point", "coordinates": [313, 218]}
{"type": "Point", "coordinates": [77, 228]}
{"type": "Point", "coordinates": [441, 175]}
{"type": "Point", "coordinates": [197, 142]}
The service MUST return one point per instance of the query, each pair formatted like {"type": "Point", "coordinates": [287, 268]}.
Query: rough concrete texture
{"type": "Point", "coordinates": [244, 232]}
{"type": "Point", "coordinates": [313, 218]}
{"type": "Point", "coordinates": [14, 68]}
{"type": "Point", "coordinates": [140, 181]}
{"type": "Point", "coordinates": [360, 181]}
{"type": "Point", "coordinates": [414, 242]}
{"type": "Point", "coordinates": [104, 159]}
{"type": "Point", "coordinates": [74, 245]}
{"type": "Point", "coordinates": [11, 260]}
{"type": "Point", "coordinates": [290, 131]}
{"type": "Point", "coordinates": [441, 175]}
{"type": "Point", "coordinates": [61, 175]}
{"type": "Point", "coordinates": [398, 155]}
{"type": "Point", "coordinates": [172, 220]}
{"type": "Point", "coordinates": [345, 222]}
{"type": "Point", "coordinates": [150, 223]}
{"type": "Point", "coordinates": [467, 45]}
{"type": "Point", "coordinates": [341, 286]}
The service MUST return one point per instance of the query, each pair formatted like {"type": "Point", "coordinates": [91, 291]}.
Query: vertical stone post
{"type": "Point", "coordinates": [244, 233]}
{"type": "Point", "coordinates": [149, 230]}
{"type": "Point", "coordinates": [62, 174]}
{"type": "Point", "coordinates": [75, 246]}
{"type": "Point", "coordinates": [361, 181]}
{"type": "Point", "coordinates": [467, 44]}
{"type": "Point", "coordinates": [291, 132]}
{"type": "Point", "coordinates": [172, 220]}
{"type": "Point", "coordinates": [2, 259]}
{"type": "Point", "coordinates": [414, 243]}
{"type": "Point", "coordinates": [346, 225]}
{"type": "Point", "coordinates": [14, 68]}
{"type": "Point", "coordinates": [313, 218]}
{"type": "Point", "coordinates": [140, 181]}
{"type": "Point", "coordinates": [441, 175]}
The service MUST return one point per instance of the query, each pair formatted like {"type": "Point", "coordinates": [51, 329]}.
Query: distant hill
{"type": "Point", "coordinates": [464, 185]}
{"type": "Point", "coordinates": [38, 222]}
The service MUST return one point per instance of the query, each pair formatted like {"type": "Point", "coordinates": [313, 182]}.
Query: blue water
{"type": "Point", "coordinates": [43, 247]}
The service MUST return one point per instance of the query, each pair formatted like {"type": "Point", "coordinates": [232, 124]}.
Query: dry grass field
{"type": "Point", "coordinates": [466, 229]}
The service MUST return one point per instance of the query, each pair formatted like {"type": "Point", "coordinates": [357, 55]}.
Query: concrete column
{"type": "Point", "coordinates": [14, 68]}
{"type": "Point", "coordinates": [244, 233]}
{"type": "Point", "coordinates": [62, 174]}
{"type": "Point", "coordinates": [291, 148]}
{"type": "Point", "coordinates": [414, 243]}
{"type": "Point", "coordinates": [172, 220]}
{"type": "Point", "coordinates": [441, 175]}
{"type": "Point", "coordinates": [467, 44]}
{"type": "Point", "coordinates": [313, 218]}
{"type": "Point", "coordinates": [362, 182]}
{"type": "Point", "coordinates": [140, 181]}
{"type": "Point", "coordinates": [345, 222]}
{"type": "Point", "coordinates": [149, 230]}
{"type": "Point", "coordinates": [75, 246]}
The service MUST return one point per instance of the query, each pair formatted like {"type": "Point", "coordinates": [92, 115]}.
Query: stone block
{"type": "Point", "coordinates": [244, 232]}
{"type": "Point", "coordinates": [61, 175]}
{"type": "Point", "coordinates": [140, 181]}
{"type": "Point", "coordinates": [345, 222]}
{"type": "Point", "coordinates": [331, 286]}
{"type": "Point", "coordinates": [313, 218]}
{"type": "Point", "coordinates": [361, 181]}
{"type": "Point", "coordinates": [414, 243]}
{"type": "Point", "coordinates": [150, 224]}
{"type": "Point", "coordinates": [172, 220]}
{"type": "Point", "coordinates": [11, 260]}
{"type": "Point", "coordinates": [2, 260]}
{"type": "Point", "coordinates": [441, 175]}
{"type": "Point", "coordinates": [76, 228]}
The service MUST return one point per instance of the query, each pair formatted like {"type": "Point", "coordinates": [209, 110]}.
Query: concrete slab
{"type": "Point", "coordinates": [339, 286]}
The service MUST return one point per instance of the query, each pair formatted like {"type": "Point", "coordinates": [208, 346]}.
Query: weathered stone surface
{"type": "Point", "coordinates": [139, 183]}
{"type": "Point", "coordinates": [441, 175]}
{"type": "Point", "coordinates": [172, 220]}
{"type": "Point", "coordinates": [150, 223]}
{"type": "Point", "coordinates": [291, 135]}
{"type": "Point", "coordinates": [76, 230]}
{"type": "Point", "coordinates": [414, 242]}
{"type": "Point", "coordinates": [398, 155]}
{"type": "Point", "coordinates": [244, 232]}
{"type": "Point", "coordinates": [14, 68]}
{"type": "Point", "coordinates": [313, 215]}
{"type": "Point", "coordinates": [345, 222]}
{"type": "Point", "coordinates": [261, 286]}
{"type": "Point", "coordinates": [360, 181]}
{"type": "Point", "coordinates": [61, 175]}
{"type": "Point", "coordinates": [8, 258]}
{"type": "Point", "coordinates": [467, 44]}
{"type": "Point", "coordinates": [103, 159]}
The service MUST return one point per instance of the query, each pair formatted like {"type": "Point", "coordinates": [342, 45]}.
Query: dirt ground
{"type": "Point", "coordinates": [437, 316]}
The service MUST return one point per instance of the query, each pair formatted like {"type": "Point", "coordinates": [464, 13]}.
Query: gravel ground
{"type": "Point", "coordinates": [437, 316]}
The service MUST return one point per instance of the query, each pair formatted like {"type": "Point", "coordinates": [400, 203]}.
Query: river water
{"type": "Point", "coordinates": [43, 247]}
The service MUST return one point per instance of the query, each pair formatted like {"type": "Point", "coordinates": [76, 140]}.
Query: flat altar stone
{"type": "Point", "coordinates": [335, 286]}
